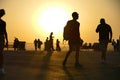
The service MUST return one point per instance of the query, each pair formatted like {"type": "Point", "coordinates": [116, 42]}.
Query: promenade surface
{"type": "Point", "coordinates": [42, 65]}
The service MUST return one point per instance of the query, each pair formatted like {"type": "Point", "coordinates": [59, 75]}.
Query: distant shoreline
{"type": "Point", "coordinates": [64, 47]}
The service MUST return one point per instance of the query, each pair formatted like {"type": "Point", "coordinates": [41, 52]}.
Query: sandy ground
{"type": "Point", "coordinates": [42, 65]}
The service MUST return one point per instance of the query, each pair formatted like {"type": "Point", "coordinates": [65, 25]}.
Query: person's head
{"type": "Point", "coordinates": [102, 21]}
{"type": "Point", "coordinates": [75, 15]}
{"type": "Point", "coordinates": [51, 33]}
{"type": "Point", "coordinates": [2, 12]}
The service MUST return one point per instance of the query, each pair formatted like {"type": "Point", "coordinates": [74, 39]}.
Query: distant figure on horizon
{"type": "Point", "coordinates": [114, 44]}
{"type": "Point", "coordinates": [118, 45]}
{"type": "Point", "coordinates": [58, 45]}
{"type": "Point", "coordinates": [51, 41]}
{"type": "Point", "coordinates": [3, 36]}
{"type": "Point", "coordinates": [46, 44]}
{"type": "Point", "coordinates": [16, 44]}
{"type": "Point", "coordinates": [105, 36]}
{"type": "Point", "coordinates": [74, 38]}
{"type": "Point", "coordinates": [35, 44]}
{"type": "Point", "coordinates": [39, 44]}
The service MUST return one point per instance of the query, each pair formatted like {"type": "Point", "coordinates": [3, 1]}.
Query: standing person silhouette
{"type": "Point", "coordinates": [51, 41]}
{"type": "Point", "coordinates": [74, 39]}
{"type": "Point", "coordinates": [35, 44]}
{"type": "Point", "coordinates": [58, 45]}
{"type": "Point", "coordinates": [46, 44]}
{"type": "Point", "coordinates": [39, 44]}
{"type": "Point", "coordinates": [105, 36]}
{"type": "Point", "coordinates": [3, 36]}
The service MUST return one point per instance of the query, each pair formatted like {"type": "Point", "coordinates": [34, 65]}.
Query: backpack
{"type": "Point", "coordinates": [66, 33]}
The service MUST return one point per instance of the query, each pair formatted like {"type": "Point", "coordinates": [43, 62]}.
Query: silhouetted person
{"type": "Point", "coordinates": [114, 45]}
{"type": "Point", "coordinates": [3, 37]}
{"type": "Point", "coordinates": [16, 44]}
{"type": "Point", "coordinates": [90, 46]}
{"type": "Point", "coordinates": [46, 44]}
{"type": "Point", "coordinates": [105, 36]}
{"type": "Point", "coordinates": [39, 44]}
{"type": "Point", "coordinates": [85, 45]}
{"type": "Point", "coordinates": [51, 41]}
{"type": "Point", "coordinates": [118, 43]}
{"type": "Point", "coordinates": [74, 39]}
{"type": "Point", "coordinates": [35, 44]}
{"type": "Point", "coordinates": [58, 45]}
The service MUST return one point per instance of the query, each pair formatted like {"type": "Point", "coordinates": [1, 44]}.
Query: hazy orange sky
{"type": "Point", "coordinates": [30, 19]}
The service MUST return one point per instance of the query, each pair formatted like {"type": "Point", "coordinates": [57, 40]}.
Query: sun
{"type": "Point", "coordinates": [53, 19]}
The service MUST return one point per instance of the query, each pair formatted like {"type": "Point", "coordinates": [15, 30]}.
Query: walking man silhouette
{"type": "Point", "coordinates": [3, 36]}
{"type": "Point", "coordinates": [74, 39]}
{"type": "Point", "coordinates": [51, 41]}
{"type": "Point", "coordinates": [105, 36]}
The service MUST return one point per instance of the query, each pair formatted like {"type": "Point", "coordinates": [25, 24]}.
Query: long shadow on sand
{"type": "Point", "coordinates": [44, 68]}
{"type": "Point", "coordinates": [67, 71]}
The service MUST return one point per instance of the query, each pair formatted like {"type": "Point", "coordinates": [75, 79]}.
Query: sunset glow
{"type": "Point", "coordinates": [53, 19]}
{"type": "Point", "coordinates": [30, 19]}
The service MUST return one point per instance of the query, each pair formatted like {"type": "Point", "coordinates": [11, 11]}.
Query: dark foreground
{"type": "Point", "coordinates": [40, 65]}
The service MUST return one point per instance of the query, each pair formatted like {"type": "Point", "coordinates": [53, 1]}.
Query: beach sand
{"type": "Point", "coordinates": [42, 65]}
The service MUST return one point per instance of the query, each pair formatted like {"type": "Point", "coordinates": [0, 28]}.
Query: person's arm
{"type": "Point", "coordinates": [6, 36]}
{"type": "Point", "coordinates": [110, 34]}
{"type": "Point", "coordinates": [97, 29]}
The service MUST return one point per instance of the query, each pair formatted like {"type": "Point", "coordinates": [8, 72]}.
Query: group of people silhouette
{"type": "Point", "coordinates": [49, 43]}
{"type": "Point", "coordinates": [116, 45]}
{"type": "Point", "coordinates": [37, 44]}
{"type": "Point", "coordinates": [104, 30]}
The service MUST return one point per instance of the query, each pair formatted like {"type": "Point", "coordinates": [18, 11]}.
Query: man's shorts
{"type": "Point", "coordinates": [74, 45]}
{"type": "Point", "coordinates": [103, 45]}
